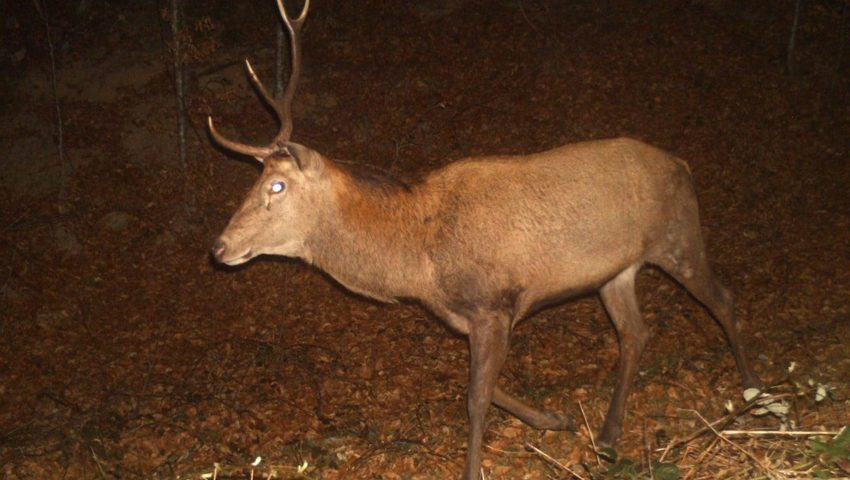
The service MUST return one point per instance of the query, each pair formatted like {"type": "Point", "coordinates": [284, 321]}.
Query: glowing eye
{"type": "Point", "coordinates": [278, 187]}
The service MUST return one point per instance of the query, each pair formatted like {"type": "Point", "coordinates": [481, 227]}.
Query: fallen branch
{"type": "Point", "coordinates": [762, 433]}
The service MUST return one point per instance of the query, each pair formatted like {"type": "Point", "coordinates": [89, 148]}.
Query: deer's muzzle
{"type": "Point", "coordinates": [222, 253]}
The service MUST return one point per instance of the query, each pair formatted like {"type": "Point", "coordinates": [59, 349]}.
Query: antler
{"type": "Point", "coordinates": [282, 106]}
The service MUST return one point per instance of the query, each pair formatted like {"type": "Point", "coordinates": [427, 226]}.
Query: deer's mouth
{"type": "Point", "coordinates": [238, 259]}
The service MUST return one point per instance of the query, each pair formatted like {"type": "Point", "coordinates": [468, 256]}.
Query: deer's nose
{"type": "Point", "coordinates": [218, 249]}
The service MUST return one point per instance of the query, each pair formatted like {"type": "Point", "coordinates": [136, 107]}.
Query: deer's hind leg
{"type": "Point", "coordinates": [686, 261]}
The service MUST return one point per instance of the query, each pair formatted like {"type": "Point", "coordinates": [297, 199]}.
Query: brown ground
{"type": "Point", "coordinates": [125, 353]}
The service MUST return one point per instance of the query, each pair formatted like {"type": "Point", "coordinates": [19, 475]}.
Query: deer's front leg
{"type": "Point", "coordinates": [488, 346]}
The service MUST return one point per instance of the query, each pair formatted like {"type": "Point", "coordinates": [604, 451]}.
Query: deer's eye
{"type": "Point", "coordinates": [278, 187]}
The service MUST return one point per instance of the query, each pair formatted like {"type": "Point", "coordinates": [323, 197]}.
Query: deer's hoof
{"type": "Point", "coordinates": [560, 421]}
{"type": "Point", "coordinates": [607, 438]}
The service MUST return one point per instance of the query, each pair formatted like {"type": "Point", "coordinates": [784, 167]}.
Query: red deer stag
{"type": "Point", "coordinates": [485, 242]}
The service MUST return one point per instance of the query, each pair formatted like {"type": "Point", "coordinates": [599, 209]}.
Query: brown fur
{"type": "Point", "coordinates": [485, 241]}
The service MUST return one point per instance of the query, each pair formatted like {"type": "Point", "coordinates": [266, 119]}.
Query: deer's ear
{"type": "Point", "coordinates": [308, 160]}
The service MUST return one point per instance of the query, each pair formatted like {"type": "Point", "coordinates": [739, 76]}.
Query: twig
{"type": "Point", "coordinates": [735, 445]}
{"type": "Point", "coordinates": [65, 168]}
{"type": "Point", "coordinates": [700, 458]}
{"type": "Point", "coordinates": [726, 419]}
{"type": "Point", "coordinates": [689, 438]}
{"type": "Point", "coordinates": [648, 450]}
{"type": "Point", "coordinates": [548, 458]}
{"type": "Point", "coordinates": [97, 462]}
{"type": "Point", "coordinates": [527, 20]}
{"type": "Point", "coordinates": [789, 60]}
{"type": "Point", "coordinates": [781, 433]}
{"type": "Point", "coordinates": [179, 84]}
{"type": "Point", "coordinates": [590, 432]}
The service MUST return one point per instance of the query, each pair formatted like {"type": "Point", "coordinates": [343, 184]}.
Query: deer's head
{"type": "Point", "coordinates": [276, 216]}
{"type": "Point", "coordinates": [280, 210]}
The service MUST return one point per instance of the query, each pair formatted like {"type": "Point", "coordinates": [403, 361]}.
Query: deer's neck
{"type": "Point", "coordinates": [373, 241]}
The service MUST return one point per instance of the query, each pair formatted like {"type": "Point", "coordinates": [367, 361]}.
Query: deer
{"type": "Point", "coordinates": [485, 242]}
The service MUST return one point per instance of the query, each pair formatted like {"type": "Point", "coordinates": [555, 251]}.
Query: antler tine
{"type": "Point", "coordinates": [284, 106]}
{"type": "Point", "coordinates": [257, 152]}
{"type": "Point", "coordinates": [279, 110]}
{"type": "Point", "coordinates": [269, 98]}
{"type": "Point", "coordinates": [298, 21]}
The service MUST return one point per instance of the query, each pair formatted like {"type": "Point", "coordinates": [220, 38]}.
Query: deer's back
{"type": "Point", "coordinates": [550, 224]}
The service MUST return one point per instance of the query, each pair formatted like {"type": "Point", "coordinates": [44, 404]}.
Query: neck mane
{"type": "Point", "coordinates": [368, 177]}
{"type": "Point", "coordinates": [374, 239]}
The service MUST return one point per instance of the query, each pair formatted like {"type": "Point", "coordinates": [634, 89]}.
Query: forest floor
{"type": "Point", "coordinates": [125, 352]}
